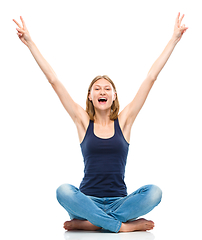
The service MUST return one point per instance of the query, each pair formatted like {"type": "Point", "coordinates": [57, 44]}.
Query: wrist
{"type": "Point", "coordinates": [30, 44]}
{"type": "Point", "coordinates": [174, 40]}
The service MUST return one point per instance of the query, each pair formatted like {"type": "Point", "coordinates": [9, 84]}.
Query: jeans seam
{"type": "Point", "coordinates": [123, 203]}
{"type": "Point", "coordinates": [119, 226]}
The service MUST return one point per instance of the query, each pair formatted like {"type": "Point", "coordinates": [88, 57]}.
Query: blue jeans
{"type": "Point", "coordinates": [108, 212]}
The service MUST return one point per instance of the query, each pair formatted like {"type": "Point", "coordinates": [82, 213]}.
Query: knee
{"type": "Point", "coordinates": [65, 191]}
{"type": "Point", "coordinates": [155, 194]}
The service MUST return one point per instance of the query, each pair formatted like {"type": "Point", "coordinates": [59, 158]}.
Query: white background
{"type": "Point", "coordinates": [39, 143]}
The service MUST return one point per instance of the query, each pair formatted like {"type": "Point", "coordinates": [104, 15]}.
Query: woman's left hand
{"type": "Point", "coordinates": [179, 29]}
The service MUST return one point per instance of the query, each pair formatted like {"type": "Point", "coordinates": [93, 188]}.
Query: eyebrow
{"type": "Point", "coordinates": [104, 85]}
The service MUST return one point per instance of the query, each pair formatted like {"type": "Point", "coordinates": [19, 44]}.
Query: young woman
{"type": "Point", "coordinates": [101, 200]}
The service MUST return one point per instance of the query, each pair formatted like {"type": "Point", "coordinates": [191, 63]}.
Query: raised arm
{"type": "Point", "coordinates": [179, 30]}
{"type": "Point", "coordinates": [25, 37]}
{"type": "Point", "coordinates": [76, 112]}
{"type": "Point", "coordinates": [130, 112]}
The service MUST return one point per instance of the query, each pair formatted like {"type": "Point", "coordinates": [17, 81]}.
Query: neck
{"type": "Point", "coordinates": [102, 118]}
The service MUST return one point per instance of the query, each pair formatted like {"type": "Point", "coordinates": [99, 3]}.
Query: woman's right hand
{"type": "Point", "coordinates": [23, 33]}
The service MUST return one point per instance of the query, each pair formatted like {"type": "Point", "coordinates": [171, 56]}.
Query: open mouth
{"type": "Point", "coordinates": [102, 100]}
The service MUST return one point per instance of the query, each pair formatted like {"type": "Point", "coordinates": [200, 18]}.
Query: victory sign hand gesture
{"type": "Point", "coordinates": [23, 33]}
{"type": "Point", "coordinates": [179, 29]}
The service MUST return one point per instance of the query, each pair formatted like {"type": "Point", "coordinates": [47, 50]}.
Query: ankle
{"type": "Point", "coordinates": [123, 228]}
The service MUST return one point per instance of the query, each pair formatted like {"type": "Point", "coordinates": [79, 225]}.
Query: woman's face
{"type": "Point", "coordinates": [102, 94]}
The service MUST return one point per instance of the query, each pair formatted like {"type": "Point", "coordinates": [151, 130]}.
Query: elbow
{"type": "Point", "coordinates": [151, 77]}
{"type": "Point", "coordinates": [52, 80]}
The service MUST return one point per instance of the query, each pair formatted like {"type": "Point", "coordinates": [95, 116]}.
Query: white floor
{"type": "Point", "coordinates": [81, 235]}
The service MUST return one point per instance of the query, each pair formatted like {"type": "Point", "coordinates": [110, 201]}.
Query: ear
{"type": "Point", "coordinates": [114, 98]}
{"type": "Point", "coordinates": [89, 97]}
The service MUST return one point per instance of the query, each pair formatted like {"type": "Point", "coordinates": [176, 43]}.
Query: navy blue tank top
{"type": "Point", "coordinates": [104, 163]}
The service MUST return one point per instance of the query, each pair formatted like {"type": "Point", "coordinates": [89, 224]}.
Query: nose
{"type": "Point", "coordinates": [102, 92]}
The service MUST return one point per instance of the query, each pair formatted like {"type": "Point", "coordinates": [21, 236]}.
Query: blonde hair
{"type": "Point", "coordinates": [89, 104]}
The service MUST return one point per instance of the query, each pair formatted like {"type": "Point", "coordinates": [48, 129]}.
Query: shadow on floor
{"type": "Point", "coordinates": [100, 235]}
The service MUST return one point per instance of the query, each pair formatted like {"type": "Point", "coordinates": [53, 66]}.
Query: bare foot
{"type": "Point", "coordinates": [137, 225]}
{"type": "Point", "coordinates": [76, 224]}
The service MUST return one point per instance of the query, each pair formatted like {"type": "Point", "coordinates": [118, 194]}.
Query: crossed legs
{"type": "Point", "coordinates": [120, 217]}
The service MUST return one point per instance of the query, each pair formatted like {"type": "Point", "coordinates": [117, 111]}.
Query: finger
{"type": "Point", "coordinates": [17, 23]}
{"type": "Point", "coordinates": [23, 22]}
{"type": "Point", "coordinates": [20, 37]}
{"type": "Point", "coordinates": [20, 30]}
{"type": "Point", "coordinates": [181, 18]}
{"type": "Point", "coordinates": [183, 27]}
{"type": "Point", "coordinates": [177, 18]}
{"type": "Point", "coordinates": [183, 30]}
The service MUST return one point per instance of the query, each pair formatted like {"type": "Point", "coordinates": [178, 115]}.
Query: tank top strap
{"type": "Point", "coordinates": [119, 131]}
{"type": "Point", "coordinates": [89, 131]}
{"type": "Point", "coordinates": [117, 126]}
{"type": "Point", "coordinates": [90, 128]}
